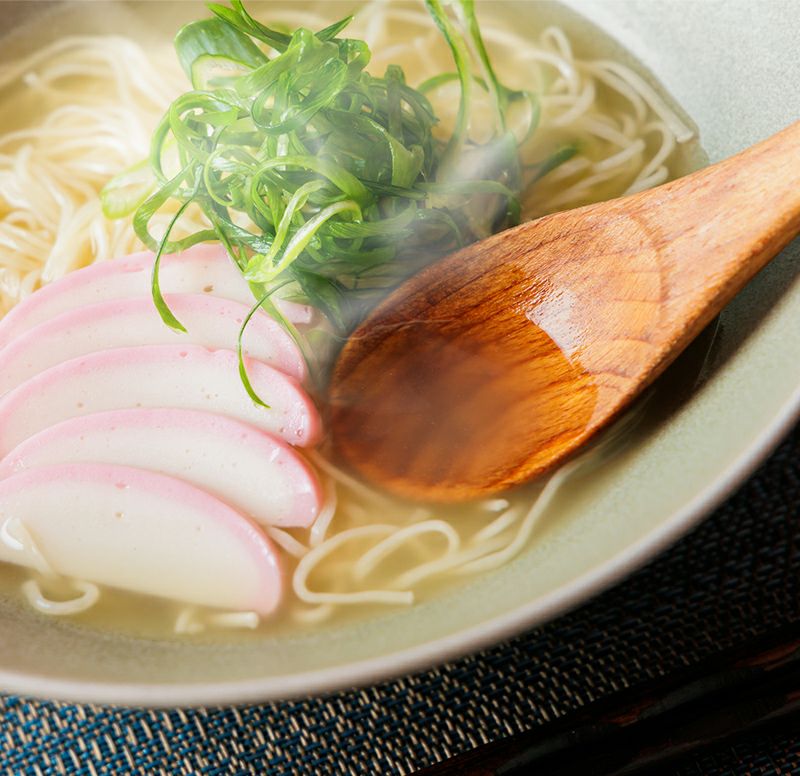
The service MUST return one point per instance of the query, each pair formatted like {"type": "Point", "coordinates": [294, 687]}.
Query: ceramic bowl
{"type": "Point", "coordinates": [732, 67]}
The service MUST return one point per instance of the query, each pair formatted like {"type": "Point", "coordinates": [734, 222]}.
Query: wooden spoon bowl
{"type": "Point", "coordinates": [495, 364]}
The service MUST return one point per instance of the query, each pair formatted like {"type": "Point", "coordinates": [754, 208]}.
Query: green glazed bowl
{"type": "Point", "coordinates": [732, 66]}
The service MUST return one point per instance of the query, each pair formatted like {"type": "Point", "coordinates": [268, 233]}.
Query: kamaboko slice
{"type": "Point", "coordinates": [210, 321]}
{"type": "Point", "coordinates": [202, 269]}
{"type": "Point", "coordinates": [163, 376]}
{"type": "Point", "coordinates": [140, 531]}
{"type": "Point", "coordinates": [251, 470]}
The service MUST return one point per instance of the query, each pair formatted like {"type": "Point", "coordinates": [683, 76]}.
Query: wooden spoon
{"type": "Point", "coordinates": [495, 364]}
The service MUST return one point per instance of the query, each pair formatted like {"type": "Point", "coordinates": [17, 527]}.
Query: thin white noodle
{"type": "Point", "coordinates": [376, 11]}
{"type": "Point", "coordinates": [622, 157]}
{"type": "Point", "coordinates": [579, 106]}
{"type": "Point", "coordinates": [666, 148]}
{"type": "Point", "coordinates": [187, 622]}
{"type": "Point", "coordinates": [348, 481]}
{"type": "Point", "coordinates": [619, 85]}
{"type": "Point", "coordinates": [192, 620]}
{"type": "Point", "coordinates": [249, 620]}
{"type": "Point", "coordinates": [565, 69]}
{"type": "Point", "coordinates": [572, 167]}
{"type": "Point", "coordinates": [648, 94]}
{"type": "Point", "coordinates": [528, 51]}
{"type": "Point", "coordinates": [286, 542]}
{"type": "Point", "coordinates": [417, 17]}
{"type": "Point", "coordinates": [601, 127]}
{"type": "Point", "coordinates": [496, 504]}
{"type": "Point", "coordinates": [629, 125]}
{"type": "Point", "coordinates": [319, 529]}
{"type": "Point", "coordinates": [16, 536]}
{"type": "Point", "coordinates": [529, 522]}
{"type": "Point", "coordinates": [367, 563]}
{"type": "Point", "coordinates": [557, 100]}
{"type": "Point", "coordinates": [558, 40]}
{"type": "Point", "coordinates": [89, 595]}
{"type": "Point", "coordinates": [12, 72]}
{"type": "Point", "coordinates": [50, 178]}
{"type": "Point", "coordinates": [445, 565]}
{"type": "Point", "coordinates": [581, 187]}
{"type": "Point", "coordinates": [656, 179]}
{"type": "Point", "coordinates": [497, 526]}
{"type": "Point", "coordinates": [310, 561]}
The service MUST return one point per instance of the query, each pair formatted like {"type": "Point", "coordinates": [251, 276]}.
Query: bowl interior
{"type": "Point", "coordinates": [716, 415]}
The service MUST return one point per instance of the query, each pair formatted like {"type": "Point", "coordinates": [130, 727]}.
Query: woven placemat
{"type": "Point", "coordinates": [736, 576]}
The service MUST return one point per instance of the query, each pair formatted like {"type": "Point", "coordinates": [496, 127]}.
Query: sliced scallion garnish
{"type": "Point", "coordinates": [318, 177]}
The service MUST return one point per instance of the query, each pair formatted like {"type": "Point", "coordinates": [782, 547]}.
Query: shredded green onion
{"type": "Point", "coordinates": [317, 177]}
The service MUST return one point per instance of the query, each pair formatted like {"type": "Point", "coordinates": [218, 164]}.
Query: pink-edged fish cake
{"type": "Point", "coordinates": [140, 531]}
{"type": "Point", "coordinates": [212, 322]}
{"type": "Point", "coordinates": [158, 376]}
{"type": "Point", "coordinates": [202, 269]}
{"type": "Point", "coordinates": [255, 472]}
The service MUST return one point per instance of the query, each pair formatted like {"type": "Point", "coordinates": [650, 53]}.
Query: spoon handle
{"type": "Point", "coordinates": [715, 229]}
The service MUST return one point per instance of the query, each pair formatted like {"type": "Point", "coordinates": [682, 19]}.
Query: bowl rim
{"type": "Point", "coordinates": [432, 653]}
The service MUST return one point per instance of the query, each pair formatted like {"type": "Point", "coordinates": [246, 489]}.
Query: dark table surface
{"type": "Point", "coordinates": [736, 576]}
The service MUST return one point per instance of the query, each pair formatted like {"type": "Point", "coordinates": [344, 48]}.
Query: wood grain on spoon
{"type": "Point", "coordinates": [493, 365]}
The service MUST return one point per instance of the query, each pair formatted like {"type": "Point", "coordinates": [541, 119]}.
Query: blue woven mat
{"type": "Point", "coordinates": [736, 576]}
